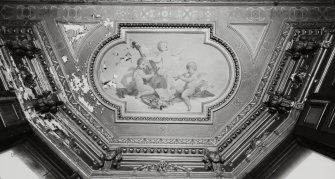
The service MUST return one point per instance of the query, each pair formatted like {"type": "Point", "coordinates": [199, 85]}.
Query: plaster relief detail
{"type": "Point", "coordinates": [252, 34]}
{"type": "Point", "coordinates": [75, 33]}
{"type": "Point", "coordinates": [162, 167]}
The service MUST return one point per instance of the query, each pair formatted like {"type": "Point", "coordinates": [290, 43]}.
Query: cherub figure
{"type": "Point", "coordinates": [139, 77]}
{"type": "Point", "coordinates": [162, 63]}
{"type": "Point", "coordinates": [166, 62]}
{"type": "Point", "coordinates": [190, 79]}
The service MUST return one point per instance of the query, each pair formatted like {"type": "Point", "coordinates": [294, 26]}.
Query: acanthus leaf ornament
{"type": "Point", "coordinates": [162, 166]}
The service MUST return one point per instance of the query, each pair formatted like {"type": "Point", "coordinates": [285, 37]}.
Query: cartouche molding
{"type": "Point", "coordinates": [264, 122]}
{"type": "Point", "coordinates": [210, 38]}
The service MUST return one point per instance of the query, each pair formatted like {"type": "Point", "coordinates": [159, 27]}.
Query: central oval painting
{"type": "Point", "coordinates": [162, 73]}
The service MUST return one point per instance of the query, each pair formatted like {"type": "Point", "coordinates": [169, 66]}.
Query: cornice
{"type": "Point", "coordinates": [179, 2]}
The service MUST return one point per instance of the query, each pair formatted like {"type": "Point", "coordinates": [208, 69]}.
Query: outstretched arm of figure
{"type": "Point", "coordinates": [187, 79]}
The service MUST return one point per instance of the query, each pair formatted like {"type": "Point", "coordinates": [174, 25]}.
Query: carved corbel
{"type": "Point", "coordinates": [304, 46]}
{"type": "Point", "coordinates": [47, 103]}
{"type": "Point", "coordinates": [112, 159]}
{"type": "Point", "coordinates": [212, 161]}
{"type": "Point", "coordinates": [278, 103]}
{"type": "Point", "coordinates": [22, 46]}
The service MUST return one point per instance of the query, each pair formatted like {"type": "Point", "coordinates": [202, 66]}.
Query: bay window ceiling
{"type": "Point", "coordinates": [98, 89]}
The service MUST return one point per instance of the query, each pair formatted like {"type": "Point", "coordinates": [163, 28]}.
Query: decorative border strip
{"type": "Point", "coordinates": [158, 150]}
{"type": "Point", "coordinates": [221, 2]}
{"type": "Point", "coordinates": [212, 108]}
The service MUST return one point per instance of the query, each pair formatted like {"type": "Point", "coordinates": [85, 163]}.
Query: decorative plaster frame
{"type": "Point", "coordinates": [207, 29]}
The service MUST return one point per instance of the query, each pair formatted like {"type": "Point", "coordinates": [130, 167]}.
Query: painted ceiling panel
{"type": "Point", "coordinates": [172, 90]}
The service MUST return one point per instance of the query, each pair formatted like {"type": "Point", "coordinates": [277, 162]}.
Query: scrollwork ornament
{"type": "Point", "coordinates": [162, 167]}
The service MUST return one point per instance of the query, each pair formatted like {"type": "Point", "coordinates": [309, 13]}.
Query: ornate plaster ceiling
{"type": "Point", "coordinates": [251, 81]}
